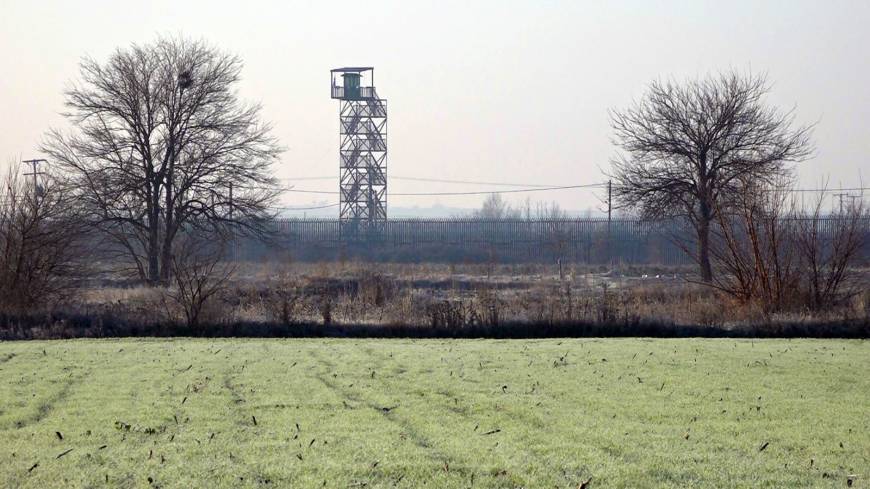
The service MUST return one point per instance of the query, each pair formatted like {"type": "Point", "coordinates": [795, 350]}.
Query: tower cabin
{"type": "Point", "coordinates": [353, 83]}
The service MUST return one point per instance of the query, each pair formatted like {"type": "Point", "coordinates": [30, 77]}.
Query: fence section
{"type": "Point", "coordinates": [592, 241]}
{"type": "Point", "coordinates": [588, 241]}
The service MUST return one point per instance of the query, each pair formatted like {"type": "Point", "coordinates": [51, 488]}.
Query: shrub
{"type": "Point", "coordinates": [41, 241]}
{"type": "Point", "coordinates": [199, 275]}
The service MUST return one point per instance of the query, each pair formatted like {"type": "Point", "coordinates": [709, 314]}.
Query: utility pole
{"type": "Point", "coordinates": [609, 210]}
{"type": "Point", "coordinates": [35, 173]}
{"type": "Point", "coordinates": [841, 195]}
{"type": "Point", "coordinates": [231, 201]}
{"type": "Point", "coordinates": [609, 200]}
{"type": "Point", "coordinates": [853, 198]}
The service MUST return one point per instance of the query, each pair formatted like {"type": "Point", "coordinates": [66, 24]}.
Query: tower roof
{"type": "Point", "coordinates": [352, 69]}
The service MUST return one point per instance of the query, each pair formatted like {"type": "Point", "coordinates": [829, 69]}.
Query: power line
{"type": "Point", "coordinates": [302, 191]}
{"type": "Point", "coordinates": [477, 192]}
{"type": "Point", "coordinates": [332, 177]}
{"type": "Point", "coordinates": [306, 208]}
{"type": "Point", "coordinates": [438, 180]}
{"type": "Point", "coordinates": [514, 191]}
{"type": "Point", "coordinates": [537, 189]}
{"type": "Point", "coordinates": [472, 182]}
{"type": "Point", "coordinates": [854, 189]}
{"type": "Point", "coordinates": [529, 187]}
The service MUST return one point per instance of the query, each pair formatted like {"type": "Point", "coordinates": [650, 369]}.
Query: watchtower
{"type": "Point", "coordinates": [363, 152]}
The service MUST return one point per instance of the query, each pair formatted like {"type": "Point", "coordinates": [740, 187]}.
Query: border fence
{"type": "Point", "coordinates": [583, 240]}
{"type": "Point", "coordinates": [466, 240]}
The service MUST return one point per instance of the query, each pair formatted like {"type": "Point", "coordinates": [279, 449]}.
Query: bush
{"type": "Point", "coordinates": [40, 244]}
{"type": "Point", "coordinates": [774, 255]}
{"type": "Point", "coordinates": [199, 276]}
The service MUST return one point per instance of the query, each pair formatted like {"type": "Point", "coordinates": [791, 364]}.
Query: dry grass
{"type": "Point", "coordinates": [441, 300]}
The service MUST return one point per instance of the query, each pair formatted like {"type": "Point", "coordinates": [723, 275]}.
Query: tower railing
{"type": "Point", "coordinates": [364, 93]}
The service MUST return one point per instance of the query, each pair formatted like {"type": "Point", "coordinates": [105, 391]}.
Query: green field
{"type": "Point", "coordinates": [402, 413]}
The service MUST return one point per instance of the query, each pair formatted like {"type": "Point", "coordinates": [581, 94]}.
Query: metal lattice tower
{"type": "Point", "coordinates": [363, 167]}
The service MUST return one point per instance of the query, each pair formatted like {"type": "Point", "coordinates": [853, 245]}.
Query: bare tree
{"type": "Point", "coordinates": [41, 243]}
{"type": "Point", "coordinates": [830, 248]}
{"type": "Point", "coordinates": [163, 143]}
{"type": "Point", "coordinates": [495, 207]}
{"type": "Point", "coordinates": [199, 274]}
{"type": "Point", "coordinates": [686, 148]}
{"type": "Point", "coordinates": [768, 252]}
{"type": "Point", "coordinates": [753, 250]}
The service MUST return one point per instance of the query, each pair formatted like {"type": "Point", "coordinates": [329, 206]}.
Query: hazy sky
{"type": "Point", "coordinates": [503, 91]}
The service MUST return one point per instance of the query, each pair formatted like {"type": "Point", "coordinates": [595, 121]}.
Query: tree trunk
{"type": "Point", "coordinates": [166, 252]}
{"type": "Point", "coordinates": [153, 249]}
{"type": "Point", "coordinates": [166, 259]}
{"type": "Point", "coordinates": [704, 243]}
{"type": "Point", "coordinates": [168, 235]}
{"type": "Point", "coordinates": [169, 215]}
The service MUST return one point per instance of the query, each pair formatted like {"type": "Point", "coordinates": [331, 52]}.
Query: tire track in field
{"type": "Point", "coordinates": [457, 464]}
{"type": "Point", "coordinates": [243, 417]}
{"type": "Point", "coordinates": [524, 441]}
{"type": "Point", "coordinates": [230, 374]}
{"type": "Point", "coordinates": [235, 394]}
{"type": "Point", "coordinates": [49, 404]}
{"type": "Point", "coordinates": [239, 416]}
{"type": "Point", "coordinates": [238, 403]}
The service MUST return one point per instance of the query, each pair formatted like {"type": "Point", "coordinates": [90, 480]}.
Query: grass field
{"type": "Point", "coordinates": [396, 413]}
